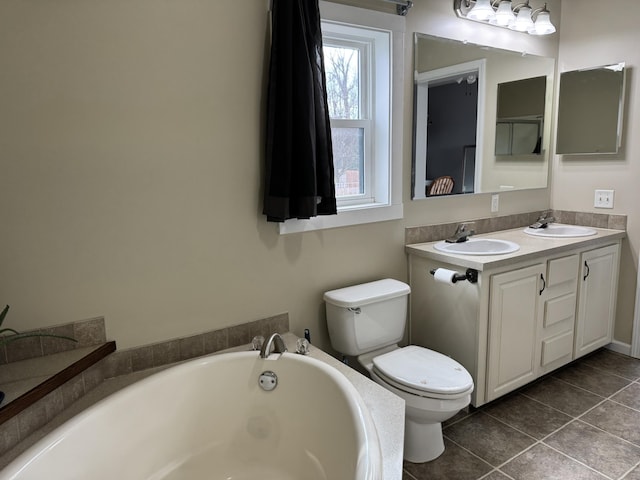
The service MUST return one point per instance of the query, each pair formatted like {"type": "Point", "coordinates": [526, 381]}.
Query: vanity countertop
{"type": "Point", "coordinates": [531, 248]}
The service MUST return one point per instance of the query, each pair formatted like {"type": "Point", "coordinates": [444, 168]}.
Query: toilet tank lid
{"type": "Point", "coordinates": [365, 293]}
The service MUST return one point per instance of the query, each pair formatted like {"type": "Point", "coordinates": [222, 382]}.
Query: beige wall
{"type": "Point", "coordinates": [131, 140]}
{"type": "Point", "coordinates": [588, 41]}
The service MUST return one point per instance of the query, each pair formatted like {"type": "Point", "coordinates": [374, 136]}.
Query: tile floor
{"type": "Point", "coordinates": [579, 423]}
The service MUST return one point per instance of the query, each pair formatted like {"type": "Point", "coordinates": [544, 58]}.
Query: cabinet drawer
{"type": "Point", "coordinates": [558, 309]}
{"type": "Point", "coordinates": [555, 348]}
{"type": "Point", "coordinates": [561, 270]}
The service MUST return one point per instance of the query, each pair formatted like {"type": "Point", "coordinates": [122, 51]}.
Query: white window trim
{"type": "Point", "coordinates": [392, 208]}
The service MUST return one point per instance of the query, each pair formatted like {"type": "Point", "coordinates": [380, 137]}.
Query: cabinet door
{"type": "Point", "coordinates": [515, 318]}
{"type": "Point", "coordinates": [596, 299]}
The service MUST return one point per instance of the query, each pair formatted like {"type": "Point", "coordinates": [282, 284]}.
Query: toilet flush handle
{"type": "Point", "coordinates": [355, 310]}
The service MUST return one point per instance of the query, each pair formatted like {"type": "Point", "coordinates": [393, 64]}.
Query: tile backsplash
{"type": "Point", "coordinates": [135, 359]}
{"type": "Point", "coordinates": [87, 333]}
{"type": "Point", "coordinates": [433, 233]}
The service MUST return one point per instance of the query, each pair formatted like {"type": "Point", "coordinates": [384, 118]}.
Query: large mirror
{"type": "Point", "coordinates": [482, 118]}
{"type": "Point", "coordinates": [590, 110]}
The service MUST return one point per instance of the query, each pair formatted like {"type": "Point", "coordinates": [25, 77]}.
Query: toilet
{"type": "Point", "coordinates": [368, 321]}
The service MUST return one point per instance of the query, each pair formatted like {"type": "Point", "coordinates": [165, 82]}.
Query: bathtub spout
{"type": "Point", "coordinates": [278, 345]}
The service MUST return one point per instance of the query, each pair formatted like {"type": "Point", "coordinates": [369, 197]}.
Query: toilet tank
{"type": "Point", "coordinates": [363, 318]}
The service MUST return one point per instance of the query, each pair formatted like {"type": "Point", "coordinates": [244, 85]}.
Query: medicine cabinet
{"type": "Point", "coordinates": [590, 110]}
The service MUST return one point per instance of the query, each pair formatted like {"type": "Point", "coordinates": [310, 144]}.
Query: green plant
{"type": "Point", "coordinates": [14, 335]}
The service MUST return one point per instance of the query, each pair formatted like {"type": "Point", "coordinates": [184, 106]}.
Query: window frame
{"type": "Point", "coordinates": [386, 176]}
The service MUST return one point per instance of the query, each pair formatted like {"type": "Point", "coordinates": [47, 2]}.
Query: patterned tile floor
{"type": "Point", "coordinates": [579, 423]}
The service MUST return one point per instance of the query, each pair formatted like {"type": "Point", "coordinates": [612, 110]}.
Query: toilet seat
{"type": "Point", "coordinates": [423, 372]}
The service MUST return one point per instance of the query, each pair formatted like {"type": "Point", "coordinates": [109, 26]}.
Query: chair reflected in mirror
{"type": "Point", "coordinates": [441, 186]}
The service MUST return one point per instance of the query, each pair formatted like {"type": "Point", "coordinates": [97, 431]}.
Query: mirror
{"type": "Point", "coordinates": [520, 118]}
{"type": "Point", "coordinates": [590, 110]}
{"type": "Point", "coordinates": [482, 116]}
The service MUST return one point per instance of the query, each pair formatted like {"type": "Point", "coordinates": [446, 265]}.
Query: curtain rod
{"type": "Point", "coordinates": [402, 6]}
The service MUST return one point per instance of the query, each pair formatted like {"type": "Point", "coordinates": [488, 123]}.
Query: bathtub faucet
{"type": "Point", "coordinates": [278, 345]}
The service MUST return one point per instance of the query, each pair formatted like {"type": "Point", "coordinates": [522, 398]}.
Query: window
{"type": "Point", "coordinates": [366, 115]}
{"type": "Point", "coordinates": [348, 92]}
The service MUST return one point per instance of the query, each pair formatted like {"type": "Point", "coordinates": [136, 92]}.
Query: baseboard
{"type": "Point", "coordinates": [619, 347]}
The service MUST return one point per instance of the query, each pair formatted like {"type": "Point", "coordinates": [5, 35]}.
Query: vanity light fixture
{"type": "Point", "coordinates": [502, 13]}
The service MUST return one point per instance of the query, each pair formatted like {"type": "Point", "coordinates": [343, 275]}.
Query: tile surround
{"type": "Point", "coordinates": [44, 410]}
{"type": "Point", "coordinates": [123, 362]}
{"type": "Point", "coordinates": [87, 333]}
{"type": "Point", "coordinates": [578, 423]}
{"type": "Point", "coordinates": [432, 233]}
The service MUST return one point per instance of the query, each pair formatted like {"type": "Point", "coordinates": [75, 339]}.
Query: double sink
{"type": "Point", "coordinates": [495, 246]}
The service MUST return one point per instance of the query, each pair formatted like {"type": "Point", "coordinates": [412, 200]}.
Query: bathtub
{"type": "Point", "coordinates": [209, 418]}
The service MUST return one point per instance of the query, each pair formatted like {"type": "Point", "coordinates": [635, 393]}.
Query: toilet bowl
{"type": "Point", "coordinates": [434, 388]}
{"type": "Point", "coordinates": [368, 321]}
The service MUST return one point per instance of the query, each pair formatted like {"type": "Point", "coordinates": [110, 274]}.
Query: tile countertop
{"type": "Point", "coordinates": [387, 409]}
{"type": "Point", "coordinates": [531, 247]}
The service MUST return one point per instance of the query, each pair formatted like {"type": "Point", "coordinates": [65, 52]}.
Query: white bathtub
{"type": "Point", "coordinates": [208, 418]}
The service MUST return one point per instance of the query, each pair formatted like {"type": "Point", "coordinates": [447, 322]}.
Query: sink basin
{"type": "Point", "coordinates": [557, 230]}
{"type": "Point", "coordinates": [478, 246]}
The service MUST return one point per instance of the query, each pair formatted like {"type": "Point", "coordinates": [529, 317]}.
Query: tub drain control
{"type": "Point", "coordinates": [268, 380]}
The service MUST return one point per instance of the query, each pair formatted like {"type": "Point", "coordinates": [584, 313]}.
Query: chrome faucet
{"type": "Point", "coordinates": [544, 220]}
{"type": "Point", "coordinates": [463, 232]}
{"type": "Point", "coordinates": [278, 345]}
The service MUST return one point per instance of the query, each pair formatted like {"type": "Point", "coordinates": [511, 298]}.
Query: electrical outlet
{"type": "Point", "coordinates": [603, 199]}
{"type": "Point", "coordinates": [495, 202]}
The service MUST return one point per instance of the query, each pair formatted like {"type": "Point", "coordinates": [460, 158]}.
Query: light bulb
{"type": "Point", "coordinates": [504, 15]}
{"type": "Point", "coordinates": [523, 20]}
{"type": "Point", "coordinates": [482, 10]}
{"type": "Point", "coordinates": [543, 25]}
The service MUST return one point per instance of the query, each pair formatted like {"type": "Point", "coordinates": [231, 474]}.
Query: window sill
{"type": "Point", "coordinates": [356, 215]}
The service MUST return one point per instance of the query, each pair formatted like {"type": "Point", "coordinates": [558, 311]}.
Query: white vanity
{"type": "Point", "coordinates": [529, 312]}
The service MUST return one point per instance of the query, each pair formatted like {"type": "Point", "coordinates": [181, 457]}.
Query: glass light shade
{"type": "Point", "coordinates": [482, 10]}
{"type": "Point", "coordinates": [543, 25]}
{"type": "Point", "coordinates": [523, 22]}
{"type": "Point", "coordinates": [504, 15]}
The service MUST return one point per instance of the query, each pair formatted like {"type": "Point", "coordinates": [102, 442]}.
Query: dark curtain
{"type": "Point", "coordinates": [299, 179]}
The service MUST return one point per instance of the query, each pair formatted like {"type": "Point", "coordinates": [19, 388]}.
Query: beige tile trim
{"type": "Point", "coordinates": [433, 233]}
{"type": "Point", "coordinates": [87, 333]}
{"type": "Point", "coordinates": [131, 360]}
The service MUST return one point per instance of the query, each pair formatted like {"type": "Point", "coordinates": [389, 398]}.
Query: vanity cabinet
{"type": "Point", "coordinates": [532, 313]}
{"type": "Point", "coordinates": [522, 319]}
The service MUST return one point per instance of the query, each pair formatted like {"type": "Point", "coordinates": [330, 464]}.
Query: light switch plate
{"type": "Point", "coordinates": [603, 199]}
